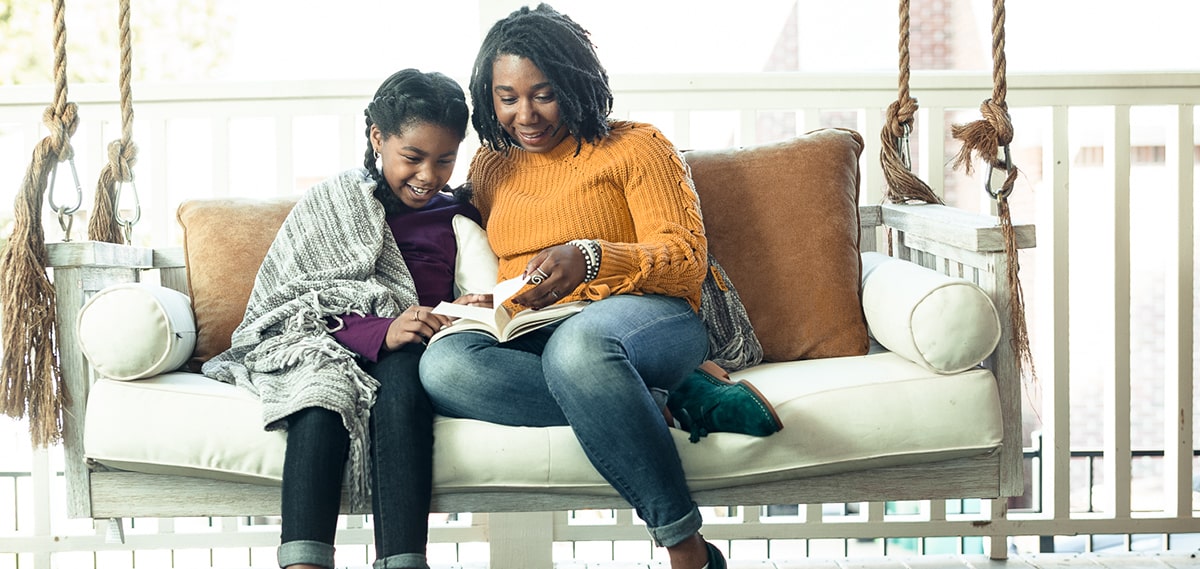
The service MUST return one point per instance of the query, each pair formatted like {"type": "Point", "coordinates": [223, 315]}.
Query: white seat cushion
{"type": "Point", "coordinates": [839, 414]}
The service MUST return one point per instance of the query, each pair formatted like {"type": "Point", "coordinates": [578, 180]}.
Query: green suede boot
{"type": "Point", "coordinates": [708, 402]}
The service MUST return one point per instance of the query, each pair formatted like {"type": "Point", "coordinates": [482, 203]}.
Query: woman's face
{"type": "Point", "coordinates": [526, 105]}
{"type": "Point", "coordinates": [418, 162]}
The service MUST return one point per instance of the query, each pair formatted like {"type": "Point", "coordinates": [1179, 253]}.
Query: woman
{"type": "Point", "coordinates": [339, 317]}
{"type": "Point", "coordinates": [590, 210]}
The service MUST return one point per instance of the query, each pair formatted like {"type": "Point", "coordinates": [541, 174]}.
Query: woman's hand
{"type": "Point", "coordinates": [555, 272]}
{"type": "Point", "coordinates": [414, 325]}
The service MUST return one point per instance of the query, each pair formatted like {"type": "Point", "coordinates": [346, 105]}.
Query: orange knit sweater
{"type": "Point", "coordinates": [631, 191]}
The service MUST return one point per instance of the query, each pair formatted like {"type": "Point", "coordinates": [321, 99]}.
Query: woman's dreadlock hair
{"type": "Point", "coordinates": [564, 52]}
{"type": "Point", "coordinates": [410, 97]}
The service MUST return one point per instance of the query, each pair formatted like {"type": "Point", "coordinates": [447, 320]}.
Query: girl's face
{"type": "Point", "coordinates": [526, 105]}
{"type": "Point", "coordinates": [418, 162]}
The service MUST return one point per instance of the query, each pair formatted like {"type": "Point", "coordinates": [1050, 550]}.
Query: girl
{"type": "Point", "coordinates": [338, 320]}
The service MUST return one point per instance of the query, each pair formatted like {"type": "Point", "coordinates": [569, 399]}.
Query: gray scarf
{"type": "Point", "coordinates": [335, 254]}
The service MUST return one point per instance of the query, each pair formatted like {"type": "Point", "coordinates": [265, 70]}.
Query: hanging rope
{"type": "Point", "coordinates": [31, 380]}
{"type": "Point", "coordinates": [902, 185]}
{"type": "Point", "coordinates": [989, 139]}
{"type": "Point", "coordinates": [106, 223]}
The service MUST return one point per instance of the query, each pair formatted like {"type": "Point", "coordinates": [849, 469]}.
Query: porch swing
{"type": "Point", "coordinates": [130, 425]}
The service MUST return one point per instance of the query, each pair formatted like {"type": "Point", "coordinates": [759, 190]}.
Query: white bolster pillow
{"type": "Point", "coordinates": [945, 324]}
{"type": "Point", "coordinates": [137, 330]}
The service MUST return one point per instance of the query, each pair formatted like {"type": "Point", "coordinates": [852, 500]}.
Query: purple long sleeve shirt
{"type": "Point", "coordinates": [426, 239]}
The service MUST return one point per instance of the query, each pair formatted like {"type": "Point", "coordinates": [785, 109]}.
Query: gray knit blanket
{"type": "Point", "coordinates": [334, 254]}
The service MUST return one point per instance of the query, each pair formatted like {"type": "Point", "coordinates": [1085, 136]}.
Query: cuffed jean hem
{"type": "Point", "coordinates": [306, 551]}
{"type": "Point", "coordinates": [676, 532]}
{"type": "Point", "coordinates": [402, 561]}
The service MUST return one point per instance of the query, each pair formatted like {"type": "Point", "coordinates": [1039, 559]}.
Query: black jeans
{"type": "Point", "coordinates": [401, 471]}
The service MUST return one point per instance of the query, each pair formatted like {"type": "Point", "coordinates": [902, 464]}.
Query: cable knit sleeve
{"type": "Point", "coordinates": [669, 253]}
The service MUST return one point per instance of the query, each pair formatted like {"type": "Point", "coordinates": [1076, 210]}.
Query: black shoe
{"type": "Point", "coordinates": [715, 559]}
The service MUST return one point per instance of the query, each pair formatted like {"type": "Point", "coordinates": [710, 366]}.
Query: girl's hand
{"type": "Point", "coordinates": [414, 325]}
{"type": "Point", "coordinates": [555, 272]}
{"type": "Point", "coordinates": [475, 299]}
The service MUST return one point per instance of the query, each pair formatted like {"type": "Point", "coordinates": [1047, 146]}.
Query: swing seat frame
{"type": "Point", "coordinates": [941, 239]}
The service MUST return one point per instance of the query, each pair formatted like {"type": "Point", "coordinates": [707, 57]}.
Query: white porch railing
{"type": "Point", "coordinates": [1109, 167]}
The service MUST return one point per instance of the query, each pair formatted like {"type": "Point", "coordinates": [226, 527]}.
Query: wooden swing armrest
{"type": "Point", "coordinates": [953, 227]}
{"type": "Point", "coordinates": [103, 264]}
{"type": "Point", "coordinates": [969, 245]}
{"type": "Point", "coordinates": [80, 269]}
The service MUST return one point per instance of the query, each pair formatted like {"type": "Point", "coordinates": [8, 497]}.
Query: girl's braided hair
{"type": "Point", "coordinates": [411, 97]}
{"type": "Point", "coordinates": [564, 52]}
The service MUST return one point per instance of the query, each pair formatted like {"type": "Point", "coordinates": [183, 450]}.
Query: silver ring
{"type": "Point", "coordinates": [555, 293]}
{"type": "Point", "coordinates": [538, 276]}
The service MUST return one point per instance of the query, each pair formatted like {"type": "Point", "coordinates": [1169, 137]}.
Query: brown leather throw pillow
{"type": "Point", "coordinates": [782, 219]}
{"type": "Point", "coordinates": [224, 243]}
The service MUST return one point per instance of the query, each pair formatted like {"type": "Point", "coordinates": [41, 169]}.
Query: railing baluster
{"type": "Point", "coordinates": [284, 177]}
{"type": "Point", "coordinates": [1117, 463]}
{"type": "Point", "coordinates": [931, 127]}
{"type": "Point", "coordinates": [1178, 343]}
{"type": "Point", "coordinates": [222, 175]}
{"type": "Point", "coordinates": [1054, 312]}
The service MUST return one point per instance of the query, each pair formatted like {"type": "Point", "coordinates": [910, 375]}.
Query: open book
{"type": "Point", "coordinates": [497, 321]}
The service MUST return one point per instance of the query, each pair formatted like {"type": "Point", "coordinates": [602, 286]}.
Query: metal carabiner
{"type": "Point", "coordinates": [65, 219]}
{"type": "Point", "coordinates": [989, 186]}
{"type": "Point", "coordinates": [127, 225]}
{"type": "Point", "coordinates": [902, 147]}
{"type": "Point", "coordinates": [49, 193]}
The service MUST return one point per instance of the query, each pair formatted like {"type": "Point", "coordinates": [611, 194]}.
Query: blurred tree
{"type": "Point", "coordinates": [178, 40]}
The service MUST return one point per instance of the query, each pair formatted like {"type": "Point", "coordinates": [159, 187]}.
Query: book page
{"type": "Point", "coordinates": [496, 317]}
{"type": "Point", "coordinates": [497, 321]}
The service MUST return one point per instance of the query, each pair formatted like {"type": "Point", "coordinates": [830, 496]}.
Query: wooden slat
{"type": "Point", "coordinates": [41, 473]}
{"type": "Point", "coordinates": [285, 180]}
{"type": "Point", "coordinates": [954, 227]}
{"type": "Point", "coordinates": [1115, 491]}
{"type": "Point", "coordinates": [98, 254]}
{"type": "Point", "coordinates": [158, 219]}
{"type": "Point", "coordinates": [517, 540]}
{"type": "Point", "coordinates": [748, 127]}
{"type": "Point", "coordinates": [1178, 341]}
{"type": "Point", "coordinates": [133, 494]}
{"type": "Point", "coordinates": [1003, 364]}
{"type": "Point", "coordinates": [222, 175]}
{"type": "Point", "coordinates": [932, 143]}
{"type": "Point", "coordinates": [68, 285]}
{"type": "Point", "coordinates": [871, 188]}
{"type": "Point", "coordinates": [1055, 264]}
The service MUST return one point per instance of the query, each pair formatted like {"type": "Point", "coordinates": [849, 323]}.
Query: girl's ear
{"type": "Point", "coordinates": [376, 138]}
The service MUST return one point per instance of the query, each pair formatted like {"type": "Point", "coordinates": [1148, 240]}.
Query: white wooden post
{"type": "Point", "coordinates": [520, 540]}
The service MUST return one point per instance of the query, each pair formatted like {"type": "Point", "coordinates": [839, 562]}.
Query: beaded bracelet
{"type": "Point", "coordinates": [591, 256]}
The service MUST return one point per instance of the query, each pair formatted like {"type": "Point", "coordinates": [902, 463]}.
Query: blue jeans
{"type": "Point", "coordinates": [401, 471]}
{"type": "Point", "coordinates": [594, 372]}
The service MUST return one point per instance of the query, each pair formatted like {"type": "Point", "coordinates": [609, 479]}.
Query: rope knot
{"type": "Point", "coordinates": [984, 137]}
{"type": "Point", "coordinates": [997, 116]}
{"type": "Point", "coordinates": [122, 157]}
{"type": "Point", "coordinates": [900, 114]}
{"type": "Point", "coordinates": [62, 126]}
